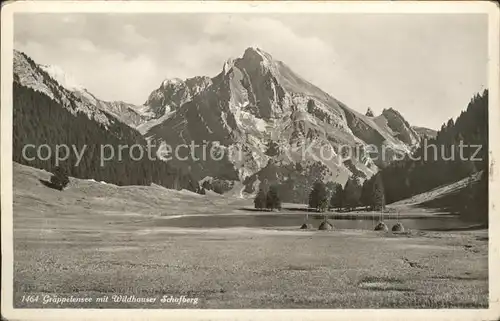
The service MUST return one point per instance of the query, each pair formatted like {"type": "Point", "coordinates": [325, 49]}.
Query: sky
{"type": "Point", "coordinates": [426, 66]}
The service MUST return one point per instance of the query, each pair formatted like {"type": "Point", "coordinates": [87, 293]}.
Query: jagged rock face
{"type": "Point", "coordinates": [425, 132]}
{"type": "Point", "coordinates": [173, 93]}
{"type": "Point", "coordinates": [402, 129]}
{"type": "Point", "coordinates": [125, 112]}
{"type": "Point", "coordinates": [257, 102]}
{"type": "Point", "coordinates": [254, 78]}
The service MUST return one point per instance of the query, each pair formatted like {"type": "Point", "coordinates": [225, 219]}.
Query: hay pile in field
{"type": "Point", "coordinates": [398, 227]}
{"type": "Point", "coordinates": [325, 225]}
{"type": "Point", "coordinates": [306, 226]}
{"type": "Point", "coordinates": [381, 227]}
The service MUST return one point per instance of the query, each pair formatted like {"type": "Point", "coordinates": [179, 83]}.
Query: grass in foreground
{"type": "Point", "coordinates": [257, 269]}
{"type": "Point", "coordinates": [90, 242]}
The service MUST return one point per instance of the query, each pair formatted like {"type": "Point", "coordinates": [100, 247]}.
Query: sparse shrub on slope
{"type": "Point", "coordinates": [59, 178]}
{"type": "Point", "coordinates": [219, 186]}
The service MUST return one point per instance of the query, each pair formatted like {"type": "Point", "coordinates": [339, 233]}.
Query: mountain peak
{"type": "Point", "coordinates": [64, 79]}
{"type": "Point", "coordinates": [171, 81]}
{"type": "Point", "coordinates": [399, 125]}
{"type": "Point", "coordinates": [228, 64]}
{"type": "Point", "coordinates": [257, 53]}
{"type": "Point", "coordinates": [254, 49]}
{"type": "Point", "coordinates": [25, 66]}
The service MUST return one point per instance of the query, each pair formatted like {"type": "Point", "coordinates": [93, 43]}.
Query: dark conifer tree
{"type": "Point", "coordinates": [480, 202]}
{"type": "Point", "coordinates": [352, 193]}
{"type": "Point", "coordinates": [337, 197]}
{"type": "Point", "coordinates": [318, 198]}
{"type": "Point", "coordinates": [260, 199]}
{"type": "Point", "coordinates": [367, 194]}
{"type": "Point", "coordinates": [273, 200]}
{"type": "Point", "coordinates": [378, 196]}
{"type": "Point", "coordinates": [310, 106]}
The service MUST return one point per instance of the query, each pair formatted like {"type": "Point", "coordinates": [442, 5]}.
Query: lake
{"type": "Point", "coordinates": [293, 220]}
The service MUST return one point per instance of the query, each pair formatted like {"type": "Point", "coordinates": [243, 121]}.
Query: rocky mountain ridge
{"type": "Point", "coordinates": [63, 88]}
{"type": "Point", "coordinates": [267, 122]}
{"type": "Point", "coordinates": [256, 102]}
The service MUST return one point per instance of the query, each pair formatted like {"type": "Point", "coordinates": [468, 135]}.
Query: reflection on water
{"type": "Point", "coordinates": [293, 220]}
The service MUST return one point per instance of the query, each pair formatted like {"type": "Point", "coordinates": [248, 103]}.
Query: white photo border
{"type": "Point", "coordinates": [9, 9]}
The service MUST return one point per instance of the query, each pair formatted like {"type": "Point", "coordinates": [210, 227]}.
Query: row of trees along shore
{"type": "Point", "coordinates": [267, 198]}
{"type": "Point", "coordinates": [331, 195]}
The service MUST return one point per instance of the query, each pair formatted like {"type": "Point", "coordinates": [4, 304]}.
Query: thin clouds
{"type": "Point", "coordinates": [418, 64]}
{"type": "Point", "coordinates": [100, 48]}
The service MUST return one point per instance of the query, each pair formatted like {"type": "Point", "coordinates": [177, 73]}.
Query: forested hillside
{"type": "Point", "coordinates": [441, 160]}
{"type": "Point", "coordinates": [38, 120]}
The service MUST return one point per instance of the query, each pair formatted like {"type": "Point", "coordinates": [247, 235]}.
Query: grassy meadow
{"type": "Point", "coordinates": [97, 240]}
